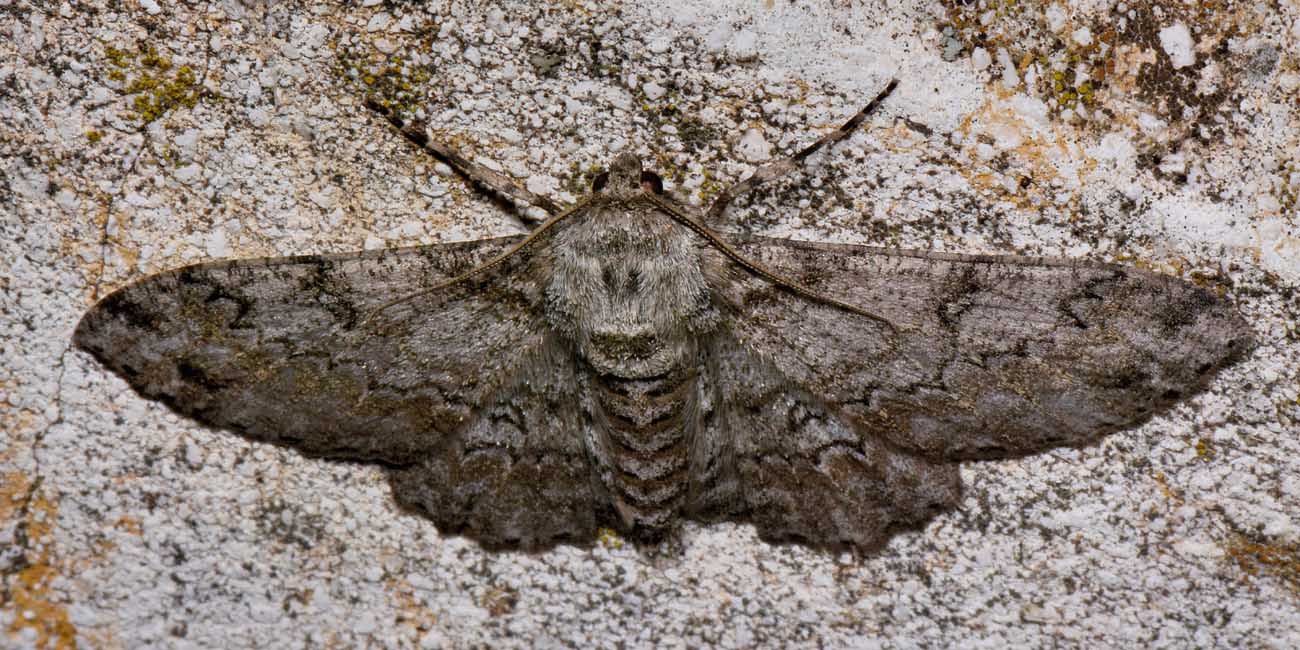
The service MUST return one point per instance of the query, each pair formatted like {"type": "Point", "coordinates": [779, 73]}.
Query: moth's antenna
{"type": "Point", "coordinates": [763, 174]}
{"type": "Point", "coordinates": [495, 182]}
{"type": "Point", "coordinates": [762, 271]}
{"type": "Point", "coordinates": [774, 170]}
{"type": "Point", "coordinates": [527, 241]}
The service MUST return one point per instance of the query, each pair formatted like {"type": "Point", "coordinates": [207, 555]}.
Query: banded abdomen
{"type": "Point", "coordinates": [643, 441]}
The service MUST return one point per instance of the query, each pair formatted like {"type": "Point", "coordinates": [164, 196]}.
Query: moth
{"type": "Point", "coordinates": [625, 365]}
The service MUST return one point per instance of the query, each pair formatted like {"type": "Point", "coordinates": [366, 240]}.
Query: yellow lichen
{"type": "Point", "coordinates": [1205, 449]}
{"type": "Point", "coordinates": [149, 58]}
{"type": "Point", "coordinates": [155, 88]}
{"type": "Point", "coordinates": [119, 58]}
{"type": "Point", "coordinates": [167, 94]}
{"type": "Point", "coordinates": [395, 82]}
{"type": "Point", "coordinates": [580, 180]}
{"type": "Point", "coordinates": [609, 538]}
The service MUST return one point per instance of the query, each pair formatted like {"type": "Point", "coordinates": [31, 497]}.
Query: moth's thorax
{"type": "Point", "coordinates": [628, 289]}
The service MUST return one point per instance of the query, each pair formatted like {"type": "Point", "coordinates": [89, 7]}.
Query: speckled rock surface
{"type": "Point", "coordinates": [141, 135]}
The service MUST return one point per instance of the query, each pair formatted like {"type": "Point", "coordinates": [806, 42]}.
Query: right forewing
{"type": "Point", "coordinates": [988, 356]}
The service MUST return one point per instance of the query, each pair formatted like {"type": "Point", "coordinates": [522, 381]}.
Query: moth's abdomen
{"type": "Point", "coordinates": [643, 428]}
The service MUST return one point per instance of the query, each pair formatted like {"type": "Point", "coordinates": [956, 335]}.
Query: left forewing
{"type": "Point", "coordinates": [299, 351]}
{"type": "Point", "coordinates": [988, 356]}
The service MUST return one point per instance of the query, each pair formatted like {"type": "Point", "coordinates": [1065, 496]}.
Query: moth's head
{"type": "Point", "coordinates": [625, 178]}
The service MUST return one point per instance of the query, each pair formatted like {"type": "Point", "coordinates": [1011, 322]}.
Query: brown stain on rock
{"type": "Point", "coordinates": [1279, 560]}
{"type": "Point", "coordinates": [410, 612]}
{"type": "Point", "coordinates": [28, 591]}
{"type": "Point", "coordinates": [1124, 70]}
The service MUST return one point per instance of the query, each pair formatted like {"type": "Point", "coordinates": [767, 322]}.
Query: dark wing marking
{"type": "Point", "coordinates": [282, 350]}
{"type": "Point", "coordinates": [992, 357]}
{"type": "Point", "coordinates": [518, 475]}
{"type": "Point", "coordinates": [785, 461]}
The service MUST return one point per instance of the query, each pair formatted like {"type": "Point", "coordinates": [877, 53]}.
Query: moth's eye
{"type": "Point", "coordinates": [651, 181]}
{"type": "Point", "coordinates": [598, 183]}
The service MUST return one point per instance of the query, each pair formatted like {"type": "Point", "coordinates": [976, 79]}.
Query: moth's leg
{"type": "Point", "coordinates": [495, 182]}
{"type": "Point", "coordinates": [779, 168]}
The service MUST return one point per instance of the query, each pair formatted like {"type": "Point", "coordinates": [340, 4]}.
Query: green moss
{"type": "Point", "coordinates": [94, 136]}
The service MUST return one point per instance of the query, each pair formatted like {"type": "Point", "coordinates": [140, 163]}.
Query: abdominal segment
{"type": "Point", "coordinates": [640, 438]}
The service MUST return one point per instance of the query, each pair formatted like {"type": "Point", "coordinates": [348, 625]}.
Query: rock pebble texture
{"type": "Point", "coordinates": [141, 135]}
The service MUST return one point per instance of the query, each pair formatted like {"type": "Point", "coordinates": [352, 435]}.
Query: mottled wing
{"type": "Point", "coordinates": [517, 476]}
{"type": "Point", "coordinates": [293, 351]}
{"type": "Point", "coordinates": [780, 457]}
{"type": "Point", "coordinates": [990, 356]}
